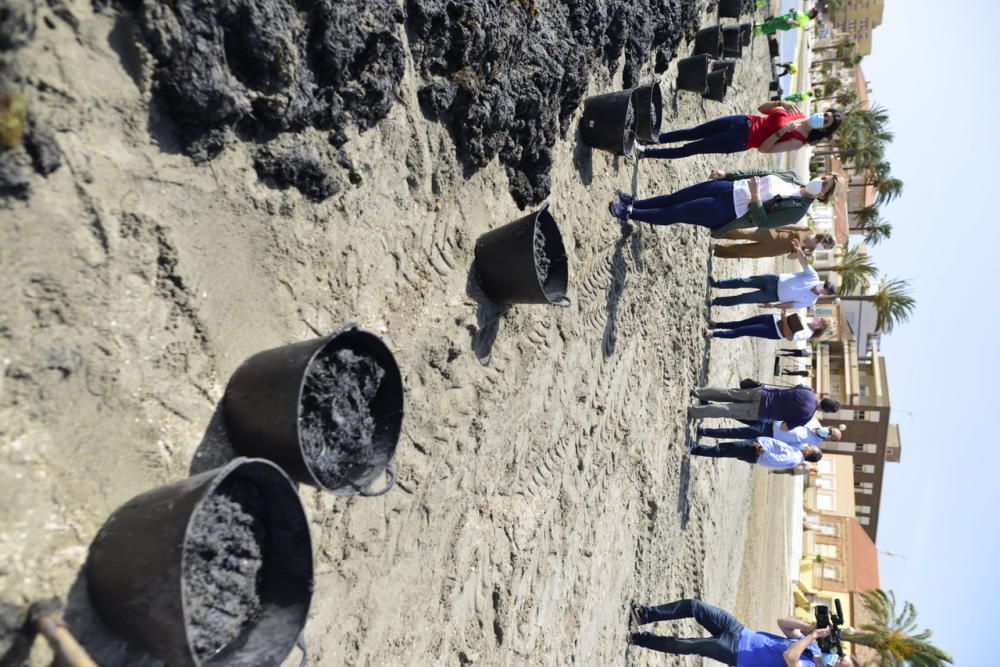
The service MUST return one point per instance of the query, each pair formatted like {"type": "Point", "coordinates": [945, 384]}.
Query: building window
{"type": "Point", "coordinates": [825, 501]}
{"type": "Point", "coordinates": [864, 520]}
{"type": "Point", "coordinates": [831, 572]}
{"type": "Point", "coordinates": [859, 415]}
{"type": "Point", "coordinates": [866, 448]}
{"type": "Point", "coordinates": [863, 390]}
{"type": "Point", "coordinates": [864, 468]}
{"type": "Point", "coordinates": [827, 550]}
{"type": "Point", "coordinates": [828, 529]}
{"type": "Point", "coordinates": [862, 509]}
{"type": "Point", "coordinates": [826, 466]}
{"type": "Point", "coordinates": [825, 482]}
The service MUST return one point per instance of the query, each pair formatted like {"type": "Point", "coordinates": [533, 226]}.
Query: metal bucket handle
{"type": "Point", "coordinates": [390, 471]}
{"type": "Point", "coordinates": [301, 643]}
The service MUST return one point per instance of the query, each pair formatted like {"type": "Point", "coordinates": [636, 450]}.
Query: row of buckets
{"type": "Point", "coordinates": [137, 564]}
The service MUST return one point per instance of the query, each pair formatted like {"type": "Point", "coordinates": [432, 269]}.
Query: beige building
{"type": "Point", "coordinates": [858, 19]}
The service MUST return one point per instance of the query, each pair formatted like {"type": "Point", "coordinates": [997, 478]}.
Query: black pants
{"type": "Point", "coordinates": [722, 625]}
{"type": "Point", "coordinates": [741, 449]}
{"type": "Point", "coordinates": [786, 352]}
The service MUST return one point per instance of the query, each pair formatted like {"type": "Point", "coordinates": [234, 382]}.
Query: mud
{"type": "Point", "coordinates": [223, 558]}
{"type": "Point", "coordinates": [42, 147]}
{"type": "Point", "coordinates": [337, 425]}
{"type": "Point", "coordinates": [542, 261]}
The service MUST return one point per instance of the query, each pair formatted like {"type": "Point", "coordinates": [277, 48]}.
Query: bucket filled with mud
{"type": "Point", "coordinates": [213, 570]}
{"type": "Point", "coordinates": [608, 122]}
{"type": "Point", "coordinates": [328, 410]}
{"type": "Point", "coordinates": [524, 261]}
{"type": "Point", "coordinates": [648, 103]}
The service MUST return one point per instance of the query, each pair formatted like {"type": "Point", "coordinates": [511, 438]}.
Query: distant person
{"type": "Point", "coordinates": [811, 433]}
{"type": "Point", "coordinates": [803, 373]}
{"type": "Point", "coordinates": [782, 128]}
{"type": "Point", "coordinates": [731, 643]}
{"type": "Point", "coordinates": [793, 352]}
{"type": "Point", "coordinates": [794, 405]}
{"type": "Point", "coordinates": [787, 68]}
{"type": "Point", "coordinates": [796, 18]}
{"type": "Point", "coordinates": [772, 326]}
{"type": "Point", "coordinates": [762, 451]}
{"type": "Point", "coordinates": [730, 201]}
{"type": "Point", "coordinates": [771, 243]}
{"type": "Point", "coordinates": [786, 290]}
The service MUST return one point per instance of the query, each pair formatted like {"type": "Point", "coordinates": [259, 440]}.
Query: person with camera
{"type": "Point", "coordinates": [762, 451]}
{"type": "Point", "coordinates": [786, 290]}
{"type": "Point", "coordinates": [793, 405]}
{"type": "Point", "coordinates": [731, 642]}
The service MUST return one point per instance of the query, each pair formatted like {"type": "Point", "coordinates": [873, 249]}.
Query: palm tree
{"type": "Point", "coordinates": [892, 636]}
{"type": "Point", "coordinates": [856, 270]}
{"type": "Point", "coordinates": [877, 232]}
{"type": "Point", "coordinates": [892, 300]}
{"type": "Point", "coordinates": [864, 217]}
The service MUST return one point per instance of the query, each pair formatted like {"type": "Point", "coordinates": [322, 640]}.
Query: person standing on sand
{"type": "Point", "coordinates": [731, 643]}
{"type": "Point", "coordinates": [771, 243]}
{"type": "Point", "coordinates": [793, 405]}
{"type": "Point", "coordinates": [782, 128]}
{"type": "Point", "coordinates": [812, 433]}
{"type": "Point", "coordinates": [762, 451]}
{"type": "Point", "coordinates": [772, 326]}
{"type": "Point", "coordinates": [786, 290]}
{"type": "Point", "coordinates": [732, 200]}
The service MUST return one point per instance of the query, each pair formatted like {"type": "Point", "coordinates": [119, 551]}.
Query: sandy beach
{"type": "Point", "coordinates": [544, 480]}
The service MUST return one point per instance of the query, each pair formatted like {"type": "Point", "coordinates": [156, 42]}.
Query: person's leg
{"type": "Point", "coordinates": [708, 212]}
{"type": "Point", "coordinates": [728, 395]}
{"type": "Point", "coordinates": [746, 251]}
{"type": "Point", "coordinates": [705, 130]}
{"type": "Point", "coordinates": [765, 294]}
{"type": "Point", "coordinates": [741, 433]}
{"type": "Point", "coordinates": [713, 648]}
{"type": "Point", "coordinates": [755, 330]}
{"type": "Point", "coordinates": [714, 619]}
{"type": "Point", "coordinates": [718, 188]}
{"type": "Point", "coordinates": [732, 410]}
{"type": "Point", "coordinates": [742, 450]}
{"type": "Point", "coordinates": [763, 281]}
{"type": "Point", "coordinates": [730, 138]}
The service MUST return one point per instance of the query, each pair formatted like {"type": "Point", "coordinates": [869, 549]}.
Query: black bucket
{"type": "Point", "coordinates": [716, 86]}
{"type": "Point", "coordinates": [746, 33]}
{"type": "Point", "coordinates": [730, 9]}
{"type": "Point", "coordinates": [708, 41]}
{"type": "Point", "coordinates": [773, 46]}
{"type": "Point", "coordinates": [775, 85]}
{"type": "Point", "coordinates": [137, 565]}
{"type": "Point", "coordinates": [729, 66]}
{"type": "Point", "coordinates": [507, 264]}
{"type": "Point", "coordinates": [272, 410]}
{"type": "Point", "coordinates": [608, 122]}
{"type": "Point", "coordinates": [732, 42]}
{"type": "Point", "coordinates": [647, 125]}
{"type": "Point", "coordinates": [692, 73]}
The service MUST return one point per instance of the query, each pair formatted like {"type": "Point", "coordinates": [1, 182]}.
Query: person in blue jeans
{"type": "Point", "coordinates": [731, 643]}
{"type": "Point", "coordinates": [786, 290]}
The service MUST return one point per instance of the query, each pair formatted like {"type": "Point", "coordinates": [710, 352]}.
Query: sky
{"type": "Point", "coordinates": [933, 67]}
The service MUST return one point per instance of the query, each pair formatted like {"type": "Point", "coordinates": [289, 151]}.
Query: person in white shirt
{"type": "Point", "coordinates": [786, 290]}
{"type": "Point", "coordinates": [772, 326]}
{"type": "Point", "coordinates": [763, 451]}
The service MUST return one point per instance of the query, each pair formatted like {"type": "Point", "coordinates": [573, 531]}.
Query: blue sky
{"type": "Point", "coordinates": [932, 65]}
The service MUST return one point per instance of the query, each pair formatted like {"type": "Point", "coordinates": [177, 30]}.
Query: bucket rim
{"type": "Point", "coordinates": [347, 327]}
{"type": "Point", "coordinates": [544, 210]}
{"type": "Point", "coordinates": [219, 476]}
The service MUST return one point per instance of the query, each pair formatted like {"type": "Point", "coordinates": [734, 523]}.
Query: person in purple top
{"type": "Point", "coordinates": [793, 405]}
{"type": "Point", "coordinates": [731, 643]}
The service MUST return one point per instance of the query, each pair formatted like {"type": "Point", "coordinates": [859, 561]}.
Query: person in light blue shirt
{"type": "Point", "coordinates": [731, 643]}
{"type": "Point", "coordinates": [763, 451]}
{"type": "Point", "coordinates": [812, 433]}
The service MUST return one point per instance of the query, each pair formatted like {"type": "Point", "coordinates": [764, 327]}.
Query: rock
{"type": "Point", "coordinates": [13, 182]}
{"type": "Point", "coordinates": [298, 167]}
{"type": "Point", "coordinates": [41, 145]}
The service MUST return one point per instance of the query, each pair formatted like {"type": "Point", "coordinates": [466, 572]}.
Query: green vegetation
{"type": "Point", "coordinates": [893, 634]}
{"type": "Point", "coordinates": [13, 119]}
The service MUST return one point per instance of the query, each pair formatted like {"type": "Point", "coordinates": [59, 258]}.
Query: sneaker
{"type": "Point", "coordinates": [640, 151]}
{"type": "Point", "coordinates": [695, 393]}
{"type": "Point", "coordinates": [635, 614]}
{"type": "Point", "coordinates": [700, 431]}
{"type": "Point", "coordinates": [619, 210]}
{"type": "Point", "coordinates": [625, 197]}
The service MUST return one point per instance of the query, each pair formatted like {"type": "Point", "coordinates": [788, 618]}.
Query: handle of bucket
{"type": "Point", "coordinates": [301, 643]}
{"type": "Point", "coordinates": [562, 302]}
{"type": "Point", "coordinates": [390, 472]}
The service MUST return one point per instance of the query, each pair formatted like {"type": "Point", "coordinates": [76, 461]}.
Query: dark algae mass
{"type": "Point", "coordinates": [504, 76]}
{"type": "Point", "coordinates": [337, 426]}
{"type": "Point", "coordinates": [223, 560]}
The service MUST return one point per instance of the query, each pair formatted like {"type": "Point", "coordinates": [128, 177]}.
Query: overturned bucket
{"type": "Point", "coordinates": [647, 124]}
{"type": "Point", "coordinates": [213, 570]}
{"type": "Point", "coordinates": [746, 33]}
{"type": "Point", "coordinates": [524, 261]}
{"type": "Point", "coordinates": [732, 42]}
{"type": "Point", "coordinates": [327, 410]}
{"type": "Point", "coordinates": [608, 122]}
{"type": "Point", "coordinates": [730, 9]}
{"type": "Point", "coordinates": [716, 86]}
{"type": "Point", "coordinates": [708, 41]}
{"type": "Point", "coordinates": [692, 73]}
{"type": "Point", "coordinates": [773, 47]}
